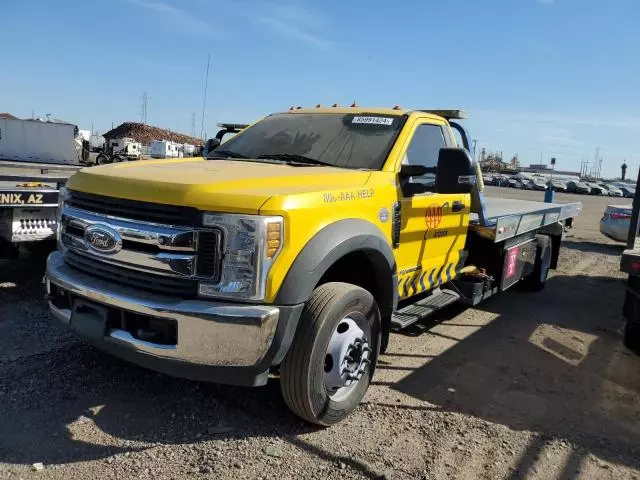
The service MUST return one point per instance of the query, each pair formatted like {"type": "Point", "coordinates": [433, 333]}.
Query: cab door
{"type": "Point", "coordinates": [433, 225]}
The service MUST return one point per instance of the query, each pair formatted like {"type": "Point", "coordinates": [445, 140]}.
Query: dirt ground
{"type": "Point", "coordinates": [528, 385]}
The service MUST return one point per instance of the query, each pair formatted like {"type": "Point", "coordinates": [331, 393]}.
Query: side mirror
{"type": "Point", "coordinates": [411, 189]}
{"type": "Point", "coordinates": [407, 171]}
{"type": "Point", "coordinates": [210, 146]}
{"type": "Point", "coordinates": [455, 171]}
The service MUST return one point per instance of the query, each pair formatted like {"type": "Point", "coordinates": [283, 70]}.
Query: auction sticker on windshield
{"type": "Point", "coordinates": [373, 120]}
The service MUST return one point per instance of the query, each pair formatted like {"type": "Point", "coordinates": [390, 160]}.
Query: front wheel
{"type": "Point", "coordinates": [332, 358]}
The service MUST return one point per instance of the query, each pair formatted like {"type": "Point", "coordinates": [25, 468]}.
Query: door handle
{"type": "Point", "coordinates": [457, 206]}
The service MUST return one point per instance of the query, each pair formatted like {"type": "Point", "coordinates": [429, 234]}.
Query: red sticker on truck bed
{"type": "Point", "coordinates": [512, 261]}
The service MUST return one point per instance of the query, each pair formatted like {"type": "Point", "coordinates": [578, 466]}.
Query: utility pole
{"type": "Point", "coordinates": [193, 124]}
{"type": "Point", "coordinates": [600, 169]}
{"type": "Point", "coordinates": [475, 142]}
{"type": "Point", "coordinates": [204, 99]}
{"type": "Point", "coordinates": [143, 108]}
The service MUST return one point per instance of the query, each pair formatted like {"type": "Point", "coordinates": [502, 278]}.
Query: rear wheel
{"type": "Point", "coordinates": [333, 355]}
{"type": "Point", "coordinates": [537, 280]}
{"type": "Point", "coordinates": [118, 158]}
{"type": "Point", "coordinates": [103, 159]}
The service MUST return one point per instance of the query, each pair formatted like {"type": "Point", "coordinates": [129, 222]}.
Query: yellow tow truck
{"type": "Point", "coordinates": [293, 249]}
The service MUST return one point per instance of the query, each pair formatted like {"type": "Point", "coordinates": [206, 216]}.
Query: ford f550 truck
{"type": "Point", "coordinates": [294, 248]}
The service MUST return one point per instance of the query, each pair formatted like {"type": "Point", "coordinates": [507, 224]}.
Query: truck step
{"type": "Point", "coordinates": [422, 308]}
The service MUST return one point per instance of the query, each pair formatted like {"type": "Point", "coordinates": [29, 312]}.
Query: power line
{"type": "Point", "coordinates": [204, 100]}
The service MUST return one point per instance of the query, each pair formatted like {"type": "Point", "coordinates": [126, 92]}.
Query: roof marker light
{"type": "Point", "coordinates": [397, 107]}
{"type": "Point", "coordinates": [318, 106]}
{"type": "Point", "coordinates": [353, 105]}
{"type": "Point", "coordinates": [335, 105]}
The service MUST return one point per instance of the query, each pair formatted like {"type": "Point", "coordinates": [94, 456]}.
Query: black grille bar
{"type": "Point", "coordinates": [132, 209]}
{"type": "Point", "coordinates": [180, 287]}
{"type": "Point", "coordinates": [209, 254]}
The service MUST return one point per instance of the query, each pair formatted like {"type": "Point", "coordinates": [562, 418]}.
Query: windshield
{"type": "Point", "coordinates": [359, 141]}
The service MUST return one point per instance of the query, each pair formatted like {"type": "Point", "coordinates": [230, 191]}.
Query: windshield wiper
{"type": "Point", "coordinates": [293, 158]}
{"type": "Point", "coordinates": [225, 154]}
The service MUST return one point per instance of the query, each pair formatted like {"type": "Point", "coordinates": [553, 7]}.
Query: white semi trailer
{"type": "Point", "coordinates": [36, 141]}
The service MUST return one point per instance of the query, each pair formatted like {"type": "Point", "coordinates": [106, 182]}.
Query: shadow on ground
{"type": "Point", "coordinates": [595, 247]}
{"type": "Point", "coordinates": [552, 363]}
{"type": "Point", "coordinates": [50, 402]}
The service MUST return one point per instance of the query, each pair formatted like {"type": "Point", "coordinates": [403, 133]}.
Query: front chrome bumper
{"type": "Point", "coordinates": [209, 334]}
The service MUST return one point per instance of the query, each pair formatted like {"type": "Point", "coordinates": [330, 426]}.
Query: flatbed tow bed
{"type": "Point", "coordinates": [506, 218]}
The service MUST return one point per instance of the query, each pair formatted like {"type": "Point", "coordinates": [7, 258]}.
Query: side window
{"type": "Point", "coordinates": [424, 149]}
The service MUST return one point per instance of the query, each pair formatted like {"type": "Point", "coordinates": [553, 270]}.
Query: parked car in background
{"type": "Point", "coordinates": [578, 187]}
{"type": "Point", "coordinates": [526, 183]}
{"type": "Point", "coordinates": [596, 189]}
{"type": "Point", "coordinates": [627, 191]}
{"type": "Point", "coordinates": [499, 181]}
{"type": "Point", "coordinates": [611, 189]}
{"type": "Point", "coordinates": [539, 184]}
{"type": "Point", "coordinates": [515, 183]}
{"type": "Point", "coordinates": [615, 222]}
{"type": "Point", "coordinates": [558, 185]}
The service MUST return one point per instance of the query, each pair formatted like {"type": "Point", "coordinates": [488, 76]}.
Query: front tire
{"type": "Point", "coordinates": [332, 358]}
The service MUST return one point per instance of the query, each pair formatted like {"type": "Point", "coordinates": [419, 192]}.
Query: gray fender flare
{"type": "Point", "coordinates": [327, 247]}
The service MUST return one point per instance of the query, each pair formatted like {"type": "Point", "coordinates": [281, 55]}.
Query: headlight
{"type": "Point", "coordinates": [63, 194]}
{"type": "Point", "coordinates": [251, 244]}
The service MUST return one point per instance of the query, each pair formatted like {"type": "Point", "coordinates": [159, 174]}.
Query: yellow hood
{"type": "Point", "coordinates": [219, 185]}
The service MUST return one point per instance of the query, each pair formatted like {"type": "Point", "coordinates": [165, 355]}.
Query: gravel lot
{"type": "Point", "coordinates": [526, 386]}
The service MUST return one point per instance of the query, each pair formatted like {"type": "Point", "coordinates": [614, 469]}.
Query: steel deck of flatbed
{"type": "Point", "coordinates": [507, 217]}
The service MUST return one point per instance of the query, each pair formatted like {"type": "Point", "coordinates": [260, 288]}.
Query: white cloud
{"type": "Point", "coordinates": [295, 32]}
{"type": "Point", "coordinates": [296, 21]}
{"type": "Point", "coordinates": [176, 17]}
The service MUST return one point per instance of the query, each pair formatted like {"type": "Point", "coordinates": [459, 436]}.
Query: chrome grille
{"type": "Point", "coordinates": [162, 256]}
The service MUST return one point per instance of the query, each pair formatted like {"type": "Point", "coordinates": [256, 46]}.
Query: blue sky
{"type": "Point", "coordinates": [538, 77]}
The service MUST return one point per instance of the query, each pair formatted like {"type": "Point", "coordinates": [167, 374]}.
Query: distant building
{"type": "Point", "coordinates": [145, 134]}
{"type": "Point", "coordinates": [539, 166]}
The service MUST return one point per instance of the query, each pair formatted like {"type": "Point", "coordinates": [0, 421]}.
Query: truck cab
{"type": "Point", "coordinates": [293, 249]}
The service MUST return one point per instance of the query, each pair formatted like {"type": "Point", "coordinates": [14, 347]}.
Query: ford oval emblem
{"type": "Point", "coordinates": [102, 239]}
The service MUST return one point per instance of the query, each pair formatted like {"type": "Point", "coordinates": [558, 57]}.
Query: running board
{"type": "Point", "coordinates": [422, 308]}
